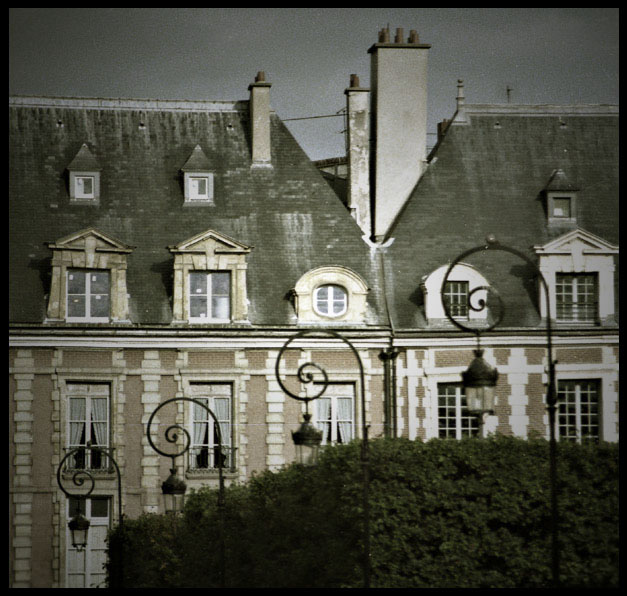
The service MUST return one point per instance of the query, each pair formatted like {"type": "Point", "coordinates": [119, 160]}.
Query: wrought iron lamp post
{"type": "Point", "coordinates": [480, 378]}
{"type": "Point", "coordinates": [79, 524]}
{"type": "Point", "coordinates": [307, 439]}
{"type": "Point", "coordinates": [174, 487]}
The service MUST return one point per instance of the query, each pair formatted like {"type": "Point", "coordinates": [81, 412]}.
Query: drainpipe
{"type": "Point", "coordinates": [388, 357]}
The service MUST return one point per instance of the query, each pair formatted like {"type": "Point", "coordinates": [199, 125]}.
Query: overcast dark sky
{"type": "Point", "coordinates": [547, 55]}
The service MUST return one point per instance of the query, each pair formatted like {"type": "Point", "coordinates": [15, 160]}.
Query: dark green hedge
{"type": "Point", "coordinates": [445, 513]}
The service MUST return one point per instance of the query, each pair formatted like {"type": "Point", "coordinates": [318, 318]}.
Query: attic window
{"type": "Point", "coordinates": [198, 178]}
{"type": "Point", "coordinates": [199, 187]}
{"type": "Point", "coordinates": [84, 177]}
{"type": "Point", "coordinates": [330, 294]}
{"type": "Point", "coordinates": [561, 207]}
{"type": "Point", "coordinates": [561, 200]}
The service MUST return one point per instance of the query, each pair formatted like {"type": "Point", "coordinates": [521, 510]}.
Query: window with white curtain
{"type": "Point", "coordinates": [209, 296]}
{"type": "Point", "coordinates": [88, 422]}
{"type": "Point", "coordinates": [334, 413]}
{"type": "Point", "coordinates": [205, 446]}
{"type": "Point", "coordinates": [454, 421]}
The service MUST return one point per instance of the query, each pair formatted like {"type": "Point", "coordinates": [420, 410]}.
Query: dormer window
{"type": "Point", "coordinates": [85, 187]}
{"type": "Point", "coordinates": [579, 270]}
{"type": "Point", "coordinates": [561, 197]}
{"type": "Point", "coordinates": [198, 178]}
{"type": "Point", "coordinates": [199, 187]}
{"type": "Point", "coordinates": [561, 207]}
{"type": "Point", "coordinates": [84, 177]}
{"type": "Point", "coordinates": [330, 294]}
{"type": "Point", "coordinates": [463, 294]}
{"type": "Point", "coordinates": [210, 280]}
{"type": "Point", "coordinates": [330, 300]}
{"type": "Point", "coordinates": [88, 282]}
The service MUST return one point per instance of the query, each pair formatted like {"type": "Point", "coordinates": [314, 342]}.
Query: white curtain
{"type": "Point", "coordinates": [222, 412]}
{"type": "Point", "coordinates": [99, 420]}
{"type": "Point", "coordinates": [77, 420]}
{"type": "Point", "coordinates": [323, 417]}
{"type": "Point", "coordinates": [345, 419]}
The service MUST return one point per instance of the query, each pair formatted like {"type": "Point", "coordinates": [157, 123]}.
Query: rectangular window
{"type": "Point", "coordinates": [454, 421]}
{"type": "Point", "coordinates": [334, 413]}
{"type": "Point", "coordinates": [561, 207]}
{"type": "Point", "coordinates": [456, 297]}
{"type": "Point", "coordinates": [88, 295]}
{"type": "Point", "coordinates": [210, 296]}
{"type": "Point", "coordinates": [576, 297]}
{"type": "Point", "coordinates": [88, 422]}
{"type": "Point", "coordinates": [578, 410]}
{"type": "Point", "coordinates": [86, 568]}
{"type": "Point", "coordinates": [85, 187]}
{"type": "Point", "coordinates": [206, 432]}
{"type": "Point", "coordinates": [199, 187]}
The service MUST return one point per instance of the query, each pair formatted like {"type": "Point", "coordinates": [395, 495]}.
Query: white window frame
{"type": "Point", "coordinates": [432, 287]}
{"type": "Point", "coordinates": [456, 291]}
{"type": "Point", "coordinates": [209, 295]}
{"type": "Point", "coordinates": [191, 194]}
{"type": "Point", "coordinates": [88, 562]}
{"type": "Point", "coordinates": [570, 313]}
{"type": "Point", "coordinates": [330, 300]}
{"type": "Point", "coordinates": [464, 424]}
{"type": "Point", "coordinates": [89, 391]}
{"type": "Point", "coordinates": [76, 188]}
{"type": "Point", "coordinates": [578, 413]}
{"type": "Point", "coordinates": [335, 424]}
{"type": "Point", "coordinates": [88, 295]}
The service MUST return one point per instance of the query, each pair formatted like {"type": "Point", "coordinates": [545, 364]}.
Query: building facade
{"type": "Point", "coordinates": [165, 249]}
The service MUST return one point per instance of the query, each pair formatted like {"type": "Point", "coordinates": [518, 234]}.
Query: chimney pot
{"type": "Point", "coordinates": [413, 36]}
{"type": "Point", "coordinates": [399, 35]}
{"type": "Point", "coordinates": [384, 36]}
{"type": "Point", "coordinates": [261, 77]}
{"type": "Point", "coordinates": [354, 80]}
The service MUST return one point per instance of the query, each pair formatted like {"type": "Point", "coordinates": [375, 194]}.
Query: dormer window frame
{"type": "Point", "coordinates": [552, 207]}
{"type": "Point", "coordinates": [209, 253]}
{"type": "Point", "coordinates": [191, 193]}
{"type": "Point", "coordinates": [197, 171]}
{"type": "Point", "coordinates": [578, 252]}
{"type": "Point", "coordinates": [88, 251]}
{"type": "Point", "coordinates": [83, 167]}
{"type": "Point", "coordinates": [353, 302]}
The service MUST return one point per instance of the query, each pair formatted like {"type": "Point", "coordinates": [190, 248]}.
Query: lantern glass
{"type": "Point", "coordinates": [173, 490]}
{"type": "Point", "coordinates": [480, 399]}
{"type": "Point", "coordinates": [307, 455]}
{"type": "Point", "coordinates": [307, 440]}
{"type": "Point", "coordinates": [79, 528]}
{"type": "Point", "coordinates": [173, 502]}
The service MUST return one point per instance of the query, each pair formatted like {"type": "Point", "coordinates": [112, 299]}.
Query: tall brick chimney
{"type": "Point", "coordinates": [399, 123]}
{"type": "Point", "coordinates": [260, 121]}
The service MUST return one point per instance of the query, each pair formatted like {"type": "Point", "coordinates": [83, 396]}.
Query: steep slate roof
{"type": "Point", "coordinates": [288, 213]}
{"type": "Point", "coordinates": [488, 175]}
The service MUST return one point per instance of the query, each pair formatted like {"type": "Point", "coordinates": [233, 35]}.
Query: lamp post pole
{"type": "Point", "coordinates": [305, 376]}
{"type": "Point", "coordinates": [482, 377]}
{"type": "Point", "coordinates": [175, 487]}
{"type": "Point", "coordinates": [79, 525]}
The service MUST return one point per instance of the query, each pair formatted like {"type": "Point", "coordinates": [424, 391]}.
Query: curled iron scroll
{"type": "Point", "coordinates": [476, 306]}
{"type": "Point", "coordinates": [307, 372]}
{"type": "Point", "coordinates": [172, 432]}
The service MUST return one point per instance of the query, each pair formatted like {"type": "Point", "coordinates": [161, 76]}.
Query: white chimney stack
{"type": "Point", "coordinates": [260, 120]}
{"type": "Point", "coordinates": [358, 153]}
{"type": "Point", "coordinates": [399, 123]}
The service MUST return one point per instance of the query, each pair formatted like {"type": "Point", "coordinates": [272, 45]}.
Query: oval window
{"type": "Point", "coordinates": [330, 300]}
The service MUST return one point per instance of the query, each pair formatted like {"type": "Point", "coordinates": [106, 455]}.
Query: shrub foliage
{"type": "Point", "coordinates": [443, 514]}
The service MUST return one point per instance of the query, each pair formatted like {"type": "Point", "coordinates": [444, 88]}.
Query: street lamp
{"type": "Point", "coordinates": [79, 524]}
{"type": "Point", "coordinates": [479, 380]}
{"type": "Point", "coordinates": [307, 438]}
{"type": "Point", "coordinates": [174, 487]}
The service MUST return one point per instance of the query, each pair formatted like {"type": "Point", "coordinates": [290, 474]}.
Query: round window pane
{"type": "Point", "coordinates": [330, 300]}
